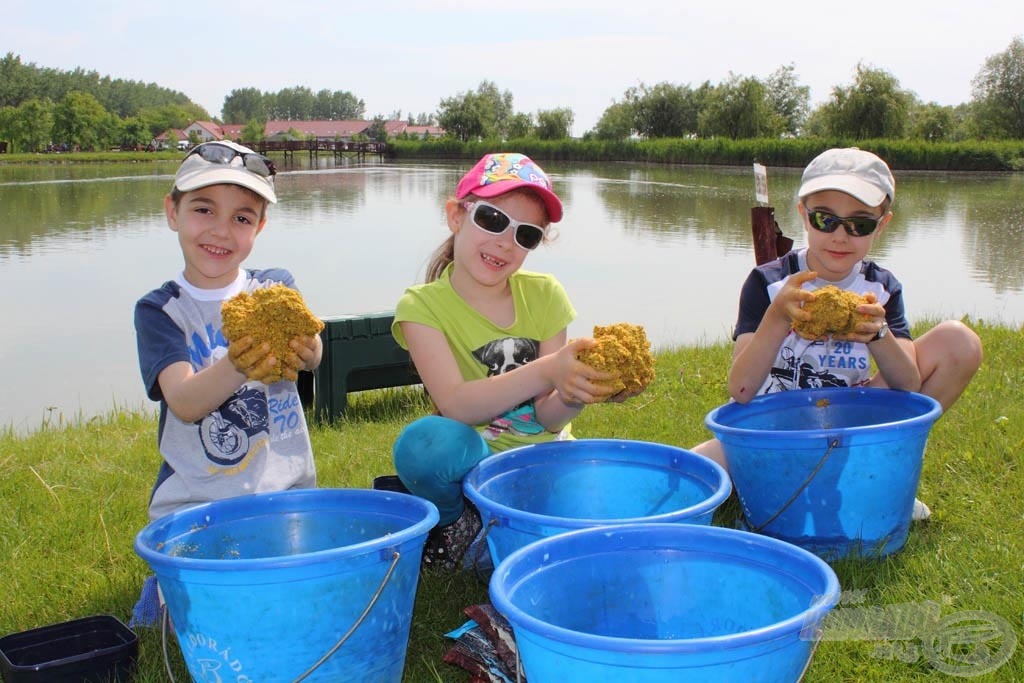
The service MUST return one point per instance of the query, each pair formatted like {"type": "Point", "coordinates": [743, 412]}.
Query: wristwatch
{"type": "Point", "coordinates": [882, 331]}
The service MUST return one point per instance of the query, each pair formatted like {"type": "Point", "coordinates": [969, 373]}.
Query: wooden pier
{"type": "Point", "coordinates": [338, 148]}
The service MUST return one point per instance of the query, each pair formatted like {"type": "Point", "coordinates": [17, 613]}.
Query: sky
{"type": "Point", "coordinates": [407, 55]}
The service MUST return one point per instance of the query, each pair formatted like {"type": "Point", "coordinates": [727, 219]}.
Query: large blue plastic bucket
{"type": "Point", "coordinates": [834, 471]}
{"type": "Point", "coordinates": [660, 603]}
{"type": "Point", "coordinates": [262, 587]}
{"type": "Point", "coordinates": [525, 494]}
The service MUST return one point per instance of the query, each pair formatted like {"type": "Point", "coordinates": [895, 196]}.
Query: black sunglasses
{"type": "Point", "coordinates": [222, 154]}
{"type": "Point", "coordinates": [490, 218]}
{"type": "Point", "coordinates": [858, 226]}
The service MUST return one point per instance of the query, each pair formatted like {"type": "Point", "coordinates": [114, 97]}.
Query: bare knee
{"type": "Point", "coordinates": [948, 356]}
{"type": "Point", "coordinates": [959, 344]}
{"type": "Point", "coordinates": [712, 450]}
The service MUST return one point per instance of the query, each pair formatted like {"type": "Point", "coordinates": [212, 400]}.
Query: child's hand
{"type": "Point", "coordinates": [303, 356]}
{"type": "Point", "coordinates": [788, 303]}
{"type": "Point", "coordinates": [866, 329]}
{"type": "Point", "coordinates": [575, 381]}
{"type": "Point", "coordinates": [255, 362]}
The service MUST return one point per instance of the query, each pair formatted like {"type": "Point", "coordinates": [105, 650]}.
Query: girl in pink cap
{"type": "Point", "coordinates": [488, 340]}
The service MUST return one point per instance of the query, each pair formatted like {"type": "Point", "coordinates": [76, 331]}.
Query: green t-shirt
{"type": "Point", "coordinates": [482, 349]}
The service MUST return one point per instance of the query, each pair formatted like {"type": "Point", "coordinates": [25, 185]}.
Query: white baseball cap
{"type": "Point", "coordinates": [225, 162]}
{"type": "Point", "coordinates": [860, 174]}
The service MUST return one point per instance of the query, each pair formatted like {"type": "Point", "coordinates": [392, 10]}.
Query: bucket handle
{"type": "Point", "coordinates": [373, 601]}
{"type": "Point", "coordinates": [800, 489]}
{"type": "Point", "coordinates": [481, 547]}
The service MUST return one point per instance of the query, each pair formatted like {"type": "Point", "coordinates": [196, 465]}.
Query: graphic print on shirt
{"type": "Point", "coordinates": [500, 356]}
{"type": "Point", "coordinates": [228, 432]}
{"type": "Point", "coordinates": [798, 373]}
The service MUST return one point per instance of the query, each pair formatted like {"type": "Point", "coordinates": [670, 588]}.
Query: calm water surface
{"type": "Point", "coordinates": [664, 247]}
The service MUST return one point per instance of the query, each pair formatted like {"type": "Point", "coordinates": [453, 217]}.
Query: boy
{"type": "Point", "coordinates": [222, 432]}
{"type": "Point", "coordinates": [845, 199]}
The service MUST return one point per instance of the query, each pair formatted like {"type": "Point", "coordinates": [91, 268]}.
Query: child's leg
{"type": "Point", "coordinates": [432, 455]}
{"type": "Point", "coordinates": [948, 355]}
{"type": "Point", "coordinates": [712, 450]}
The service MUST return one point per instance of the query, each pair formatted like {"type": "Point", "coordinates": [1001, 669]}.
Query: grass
{"type": "Point", "coordinates": [75, 495]}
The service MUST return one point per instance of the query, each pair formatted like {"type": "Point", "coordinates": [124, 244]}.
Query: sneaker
{"type": "Point", "coordinates": [447, 545]}
{"type": "Point", "coordinates": [921, 511]}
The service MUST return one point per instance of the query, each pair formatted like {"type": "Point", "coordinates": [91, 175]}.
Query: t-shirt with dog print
{"type": "Point", "coordinates": [483, 349]}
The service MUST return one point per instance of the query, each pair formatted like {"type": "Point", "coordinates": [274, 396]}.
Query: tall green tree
{"type": "Point", "coordinates": [931, 122]}
{"type": "Point", "coordinates": [554, 124]}
{"type": "Point", "coordinates": [244, 104]}
{"type": "Point", "coordinates": [739, 108]}
{"type": "Point", "coordinates": [134, 133]}
{"type": "Point", "coordinates": [159, 119]}
{"type": "Point", "coordinates": [79, 119]}
{"type": "Point", "coordinates": [32, 125]}
{"type": "Point", "coordinates": [998, 93]}
{"type": "Point", "coordinates": [617, 122]}
{"type": "Point", "coordinates": [16, 81]}
{"type": "Point", "coordinates": [665, 110]}
{"type": "Point", "coordinates": [293, 104]}
{"type": "Point", "coordinates": [790, 101]}
{"type": "Point", "coordinates": [873, 106]}
{"type": "Point", "coordinates": [520, 125]}
{"type": "Point", "coordinates": [462, 117]}
{"type": "Point", "coordinates": [476, 114]}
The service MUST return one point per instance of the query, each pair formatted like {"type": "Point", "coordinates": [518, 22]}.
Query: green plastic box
{"type": "Point", "coordinates": [359, 354]}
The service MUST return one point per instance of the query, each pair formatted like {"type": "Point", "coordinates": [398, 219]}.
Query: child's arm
{"type": "Point", "coordinates": [478, 401]}
{"type": "Point", "coordinates": [895, 357]}
{"type": "Point", "coordinates": [754, 352]}
{"type": "Point", "coordinates": [192, 395]}
{"type": "Point", "coordinates": [560, 405]}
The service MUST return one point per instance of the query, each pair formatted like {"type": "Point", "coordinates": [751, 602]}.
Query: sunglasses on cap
{"type": "Point", "coordinates": [490, 218]}
{"type": "Point", "coordinates": [858, 226]}
{"type": "Point", "coordinates": [222, 154]}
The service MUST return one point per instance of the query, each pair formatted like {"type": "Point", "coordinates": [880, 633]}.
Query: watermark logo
{"type": "Point", "coordinates": [965, 643]}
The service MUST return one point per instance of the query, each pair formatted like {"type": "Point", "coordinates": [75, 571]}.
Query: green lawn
{"type": "Point", "coordinates": [74, 497]}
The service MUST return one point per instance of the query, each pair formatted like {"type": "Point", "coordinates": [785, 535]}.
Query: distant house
{"type": "Point", "coordinates": [164, 140]}
{"type": "Point", "coordinates": [205, 130]}
{"type": "Point", "coordinates": [396, 128]}
{"type": "Point", "coordinates": [425, 131]}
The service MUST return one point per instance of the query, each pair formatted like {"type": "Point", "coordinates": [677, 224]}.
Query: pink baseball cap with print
{"type": "Point", "coordinates": [501, 172]}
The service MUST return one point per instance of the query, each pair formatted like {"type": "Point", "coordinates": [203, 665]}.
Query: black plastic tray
{"type": "Point", "coordinates": [95, 649]}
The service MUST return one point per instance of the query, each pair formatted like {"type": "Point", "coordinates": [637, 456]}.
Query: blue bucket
{"type": "Point", "coordinates": [533, 492]}
{"type": "Point", "coordinates": [834, 471]}
{"type": "Point", "coordinates": [262, 587]}
{"type": "Point", "coordinates": [660, 603]}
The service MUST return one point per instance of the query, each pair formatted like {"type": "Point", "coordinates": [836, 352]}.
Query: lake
{"type": "Point", "coordinates": [663, 247]}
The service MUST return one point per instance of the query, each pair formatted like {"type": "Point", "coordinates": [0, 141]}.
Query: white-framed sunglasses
{"type": "Point", "coordinates": [490, 218]}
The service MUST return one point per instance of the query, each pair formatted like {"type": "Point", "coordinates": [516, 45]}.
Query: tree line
{"type": "Point", "coordinates": [40, 106]}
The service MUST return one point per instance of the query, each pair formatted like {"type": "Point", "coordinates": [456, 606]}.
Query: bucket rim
{"type": "Point", "coordinates": [800, 397]}
{"type": "Point", "coordinates": [732, 542]}
{"type": "Point", "coordinates": [276, 502]}
{"type": "Point", "coordinates": [717, 478]}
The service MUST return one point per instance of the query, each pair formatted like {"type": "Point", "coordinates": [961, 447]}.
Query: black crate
{"type": "Point", "coordinates": [93, 649]}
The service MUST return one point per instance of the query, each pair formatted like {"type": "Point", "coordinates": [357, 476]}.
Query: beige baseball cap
{"type": "Point", "coordinates": [860, 174]}
{"type": "Point", "coordinates": [225, 162]}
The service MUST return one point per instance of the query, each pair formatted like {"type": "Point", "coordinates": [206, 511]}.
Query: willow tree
{"type": "Point", "coordinates": [998, 93]}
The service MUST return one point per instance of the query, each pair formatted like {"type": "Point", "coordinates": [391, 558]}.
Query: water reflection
{"type": "Point", "coordinates": [665, 247]}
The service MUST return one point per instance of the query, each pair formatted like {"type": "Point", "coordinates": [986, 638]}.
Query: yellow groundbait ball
{"type": "Point", "coordinates": [625, 349]}
{"type": "Point", "coordinates": [833, 311]}
{"type": "Point", "coordinates": [274, 315]}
